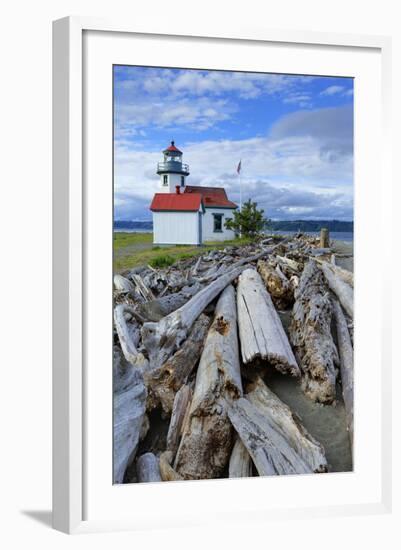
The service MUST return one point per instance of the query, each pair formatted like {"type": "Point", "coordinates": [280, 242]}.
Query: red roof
{"type": "Point", "coordinates": [174, 202]}
{"type": "Point", "coordinates": [212, 196]}
{"type": "Point", "coordinates": [172, 147]}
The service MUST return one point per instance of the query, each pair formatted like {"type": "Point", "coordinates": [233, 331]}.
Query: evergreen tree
{"type": "Point", "coordinates": [249, 222]}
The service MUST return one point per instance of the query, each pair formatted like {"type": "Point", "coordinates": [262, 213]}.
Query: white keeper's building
{"type": "Point", "coordinates": [187, 214]}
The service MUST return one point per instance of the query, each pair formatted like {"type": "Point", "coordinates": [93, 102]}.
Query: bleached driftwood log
{"type": "Point", "coordinates": [167, 472]}
{"type": "Point", "coordinates": [162, 339]}
{"type": "Point", "coordinates": [240, 461]}
{"type": "Point", "coordinates": [142, 288]}
{"type": "Point", "coordinates": [261, 333]}
{"type": "Point", "coordinates": [206, 442]}
{"type": "Point", "coordinates": [341, 289]}
{"type": "Point", "coordinates": [292, 264]}
{"type": "Point", "coordinates": [129, 337]}
{"type": "Point", "coordinates": [284, 420]}
{"type": "Point", "coordinates": [147, 468]}
{"type": "Point", "coordinates": [122, 284]}
{"type": "Point", "coordinates": [181, 403]}
{"type": "Point", "coordinates": [344, 274]}
{"type": "Point", "coordinates": [129, 406]}
{"type": "Point", "coordinates": [346, 353]}
{"type": "Point", "coordinates": [163, 382]}
{"type": "Point", "coordinates": [154, 310]}
{"type": "Point", "coordinates": [277, 284]}
{"type": "Point", "coordinates": [270, 451]}
{"type": "Point", "coordinates": [310, 335]}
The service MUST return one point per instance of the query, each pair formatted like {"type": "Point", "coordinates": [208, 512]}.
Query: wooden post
{"type": "Point", "coordinates": [324, 238]}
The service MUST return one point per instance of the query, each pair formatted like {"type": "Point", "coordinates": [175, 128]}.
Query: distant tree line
{"type": "Point", "coordinates": [310, 225]}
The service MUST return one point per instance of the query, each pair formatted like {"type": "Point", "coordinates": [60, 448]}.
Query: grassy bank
{"type": "Point", "coordinates": [134, 249]}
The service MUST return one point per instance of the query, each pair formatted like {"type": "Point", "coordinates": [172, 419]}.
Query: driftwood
{"type": "Point", "coordinates": [181, 403]}
{"type": "Point", "coordinates": [147, 468]}
{"type": "Point", "coordinates": [277, 284]}
{"type": "Point", "coordinates": [206, 443]}
{"type": "Point", "coordinates": [163, 382]}
{"type": "Point", "coordinates": [240, 461]}
{"type": "Point", "coordinates": [310, 335]}
{"type": "Point", "coordinates": [342, 290]}
{"type": "Point", "coordinates": [324, 238]}
{"type": "Point", "coordinates": [284, 420]}
{"type": "Point", "coordinates": [271, 453]}
{"type": "Point", "coordinates": [261, 332]}
{"type": "Point", "coordinates": [344, 274]}
{"type": "Point", "coordinates": [167, 472]}
{"type": "Point", "coordinates": [289, 263]}
{"type": "Point", "coordinates": [146, 293]}
{"type": "Point", "coordinates": [129, 406]}
{"type": "Point", "coordinates": [346, 353]}
{"type": "Point", "coordinates": [154, 310]}
{"type": "Point", "coordinates": [128, 340]}
{"type": "Point", "coordinates": [162, 339]}
{"type": "Point", "coordinates": [122, 284]}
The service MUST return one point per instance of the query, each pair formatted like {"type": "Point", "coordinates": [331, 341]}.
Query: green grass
{"type": "Point", "coordinates": [134, 249]}
{"type": "Point", "coordinates": [122, 240]}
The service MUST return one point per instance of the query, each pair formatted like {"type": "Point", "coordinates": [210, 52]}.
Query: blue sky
{"type": "Point", "coordinates": [294, 135]}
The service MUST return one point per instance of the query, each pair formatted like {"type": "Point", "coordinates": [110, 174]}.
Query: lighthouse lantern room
{"type": "Point", "coordinates": [172, 170]}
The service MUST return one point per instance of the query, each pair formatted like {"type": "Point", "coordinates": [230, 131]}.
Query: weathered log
{"type": "Point", "coordinates": [344, 274]}
{"type": "Point", "coordinates": [142, 288]}
{"type": "Point", "coordinates": [240, 461]}
{"type": "Point", "coordinates": [288, 262]}
{"type": "Point", "coordinates": [324, 238]}
{"type": "Point", "coordinates": [277, 284]}
{"type": "Point", "coordinates": [122, 284]}
{"type": "Point", "coordinates": [342, 290]}
{"type": "Point", "coordinates": [154, 310]}
{"type": "Point", "coordinates": [167, 472]}
{"type": "Point", "coordinates": [182, 401]}
{"type": "Point", "coordinates": [346, 353]}
{"type": "Point", "coordinates": [285, 421]}
{"type": "Point", "coordinates": [163, 382]}
{"type": "Point", "coordinates": [261, 333]}
{"type": "Point", "coordinates": [127, 341]}
{"type": "Point", "coordinates": [162, 339]}
{"type": "Point", "coordinates": [129, 406]}
{"type": "Point", "coordinates": [270, 451]}
{"type": "Point", "coordinates": [206, 442]}
{"type": "Point", "coordinates": [310, 335]}
{"type": "Point", "coordinates": [147, 468]}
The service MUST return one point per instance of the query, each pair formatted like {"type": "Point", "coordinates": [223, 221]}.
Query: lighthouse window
{"type": "Point", "coordinates": [217, 223]}
{"type": "Point", "coordinates": [182, 181]}
{"type": "Point", "coordinates": [165, 182]}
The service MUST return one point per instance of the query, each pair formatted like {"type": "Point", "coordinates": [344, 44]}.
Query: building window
{"type": "Point", "coordinates": [182, 181]}
{"type": "Point", "coordinates": [218, 223]}
{"type": "Point", "coordinates": [165, 180]}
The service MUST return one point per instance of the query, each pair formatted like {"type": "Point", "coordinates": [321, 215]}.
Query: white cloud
{"type": "Point", "coordinates": [331, 90]}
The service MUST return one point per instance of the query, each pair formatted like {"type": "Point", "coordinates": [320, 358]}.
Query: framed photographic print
{"type": "Point", "coordinates": [217, 197]}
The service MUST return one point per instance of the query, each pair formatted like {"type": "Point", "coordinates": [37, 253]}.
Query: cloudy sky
{"type": "Point", "coordinates": [293, 134]}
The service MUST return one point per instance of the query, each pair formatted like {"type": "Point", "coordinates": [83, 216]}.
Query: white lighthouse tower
{"type": "Point", "coordinates": [172, 171]}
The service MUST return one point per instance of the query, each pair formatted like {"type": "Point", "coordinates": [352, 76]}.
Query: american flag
{"type": "Point", "coordinates": [239, 167]}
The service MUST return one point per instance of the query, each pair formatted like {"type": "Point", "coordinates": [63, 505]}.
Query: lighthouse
{"type": "Point", "coordinates": [187, 214]}
{"type": "Point", "coordinates": [172, 170]}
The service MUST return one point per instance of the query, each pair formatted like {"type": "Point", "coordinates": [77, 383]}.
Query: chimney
{"type": "Point", "coordinates": [177, 189]}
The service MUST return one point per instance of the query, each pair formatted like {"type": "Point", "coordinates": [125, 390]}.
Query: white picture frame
{"type": "Point", "coordinates": [71, 227]}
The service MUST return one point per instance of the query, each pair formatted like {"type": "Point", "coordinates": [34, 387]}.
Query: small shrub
{"type": "Point", "coordinates": [162, 261]}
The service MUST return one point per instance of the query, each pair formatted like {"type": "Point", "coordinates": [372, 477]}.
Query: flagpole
{"type": "Point", "coordinates": [240, 193]}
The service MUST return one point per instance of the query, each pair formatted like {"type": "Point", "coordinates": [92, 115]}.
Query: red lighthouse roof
{"type": "Point", "coordinates": [173, 148]}
{"type": "Point", "coordinates": [176, 202]}
{"type": "Point", "coordinates": [212, 196]}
